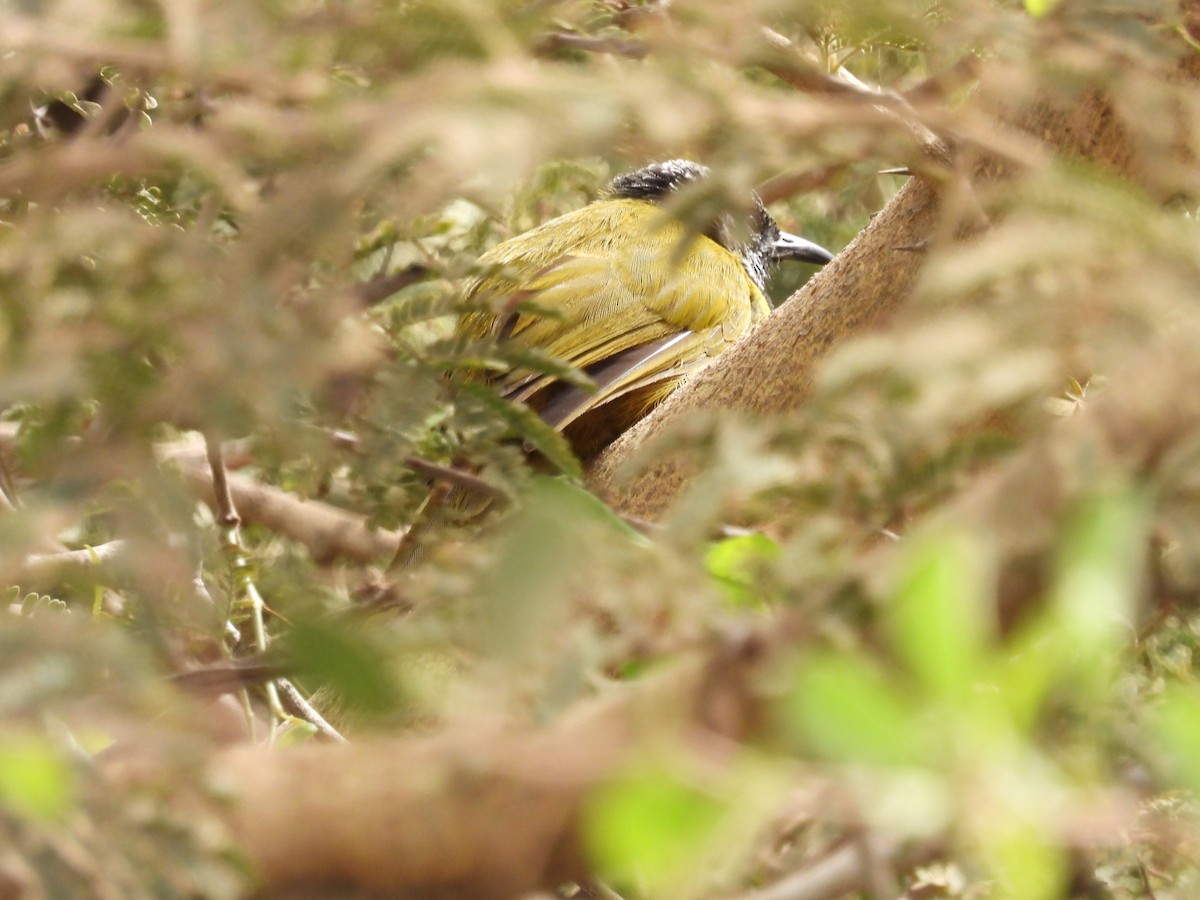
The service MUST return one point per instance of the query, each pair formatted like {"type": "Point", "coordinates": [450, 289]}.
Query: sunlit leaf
{"type": "Point", "coordinates": [1027, 865]}
{"type": "Point", "coordinates": [1039, 8]}
{"type": "Point", "coordinates": [1100, 567]}
{"type": "Point", "coordinates": [1176, 722]}
{"type": "Point", "coordinates": [845, 708]}
{"type": "Point", "coordinates": [652, 829]}
{"type": "Point", "coordinates": [735, 562]}
{"type": "Point", "coordinates": [937, 619]}
{"type": "Point", "coordinates": [35, 780]}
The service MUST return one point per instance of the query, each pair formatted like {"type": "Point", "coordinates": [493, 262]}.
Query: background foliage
{"type": "Point", "coordinates": [205, 207]}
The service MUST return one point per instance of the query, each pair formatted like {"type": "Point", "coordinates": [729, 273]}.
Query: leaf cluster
{"type": "Point", "coordinates": [251, 228]}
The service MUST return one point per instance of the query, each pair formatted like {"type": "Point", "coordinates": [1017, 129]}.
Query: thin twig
{"type": "Point", "coordinates": [565, 40]}
{"type": "Point", "coordinates": [1144, 874]}
{"type": "Point", "coordinates": [226, 511]}
{"type": "Point", "coordinates": [299, 707]}
{"type": "Point", "coordinates": [372, 291]}
{"type": "Point", "coordinates": [845, 870]}
{"type": "Point", "coordinates": [327, 531]}
{"type": "Point", "coordinates": [456, 477]}
{"type": "Point", "coordinates": [46, 567]}
{"type": "Point", "coordinates": [347, 440]}
{"type": "Point", "coordinates": [7, 492]}
{"type": "Point", "coordinates": [247, 596]}
{"type": "Point", "coordinates": [788, 65]}
{"type": "Point", "coordinates": [235, 675]}
{"type": "Point", "coordinates": [718, 532]}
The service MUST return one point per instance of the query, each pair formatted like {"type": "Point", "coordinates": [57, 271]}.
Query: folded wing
{"type": "Point", "coordinates": [633, 300]}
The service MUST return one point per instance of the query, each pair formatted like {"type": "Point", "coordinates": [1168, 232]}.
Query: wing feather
{"type": "Point", "coordinates": [628, 307]}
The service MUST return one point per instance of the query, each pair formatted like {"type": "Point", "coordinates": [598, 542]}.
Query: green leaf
{"type": "Point", "coordinates": [420, 303]}
{"type": "Point", "coordinates": [937, 619]}
{"type": "Point", "coordinates": [35, 781]}
{"type": "Point", "coordinates": [347, 663]}
{"type": "Point", "coordinates": [1039, 8]}
{"type": "Point", "coordinates": [526, 424]}
{"type": "Point", "coordinates": [846, 709]}
{"type": "Point", "coordinates": [1024, 673]}
{"type": "Point", "coordinates": [734, 563]}
{"type": "Point", "coordinates": [652, 829]}
{"type": "Point", "coordinates": [1095, 596]}
{"type": "Point", "coordinates": [1176, 722]}
{"type": "Point", "coordinates": [553, 532]}
{"type": "Point", "coordinates": [1027, 865]}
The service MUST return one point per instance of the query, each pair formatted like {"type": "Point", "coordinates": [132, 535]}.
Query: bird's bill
{"type": "Point", "coordinates": [792, 246]}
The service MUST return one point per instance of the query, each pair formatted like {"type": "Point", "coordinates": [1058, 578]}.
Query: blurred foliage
{"type": "Point", "coordinates": [194, 201]}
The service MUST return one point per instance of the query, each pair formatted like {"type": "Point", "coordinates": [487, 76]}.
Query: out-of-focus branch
{"type": "Point", "coordinates": [379, 288]}
{"type": "Point", "coordinates": [376, 815]}
{"type": "Point", "coordinates": [47, 568]}
{"type": "Point", "coordinates": [325, 530]}
{"type": "Point", "coordinates": [227, 515]}
{"type": "Point", "coordinates": [771, 370]}
{"type": "Point", "coordinates": [296, 704]}
{"type": "Point", "coordinates": [565, 40]}
{"type": "Point", "coordinates": [6, 505]}
{"type": "Point", "coordinates": [787, 64]}
{"type": "Point", "coordinates": [491, 814]}
{"type": "Point", "coordinates": [457, 477]}
{"type": "Point", "coordinates": [941, 84]}
{"type": "Point", "coordinates": [790, 184]}
{"type": "Point", "coordinates": [346, 440]}
{"type": "Point", "coordinates": [844, 871]}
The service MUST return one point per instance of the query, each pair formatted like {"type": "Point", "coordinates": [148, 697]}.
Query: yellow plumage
{"type": "Point", "coordinates": [636, 301]}
{"type": "Point", "coordinates": [618, 277]}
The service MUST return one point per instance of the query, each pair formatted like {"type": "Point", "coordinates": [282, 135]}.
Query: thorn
{"type": "Point", "coordinates": [919, 247]}
{"type": "Point", "coordinates": [899, 170]}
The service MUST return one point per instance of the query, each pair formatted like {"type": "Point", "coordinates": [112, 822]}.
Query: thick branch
{"type": "Point", "coordinates": [326, 531]}
{"type": "Point", "coordinates": [771, 370]}
{"type": "Point", "coordinates": [1130, 433]}
{"type": "Point", "coordinates": [496, 814]}
{"type": "Point", "coordinates": [866, 282]}
{"type": "Point", "coordinates": [45, 569]}
{"type": "Point", "coordinates": [467, 814]}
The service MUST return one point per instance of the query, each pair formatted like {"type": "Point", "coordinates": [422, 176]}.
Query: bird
{"type": "Point", "coordinates": [628, 294]}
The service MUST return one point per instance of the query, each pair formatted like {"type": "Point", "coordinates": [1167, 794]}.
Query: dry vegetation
{"type": "Point", "coordinates": [895, 600]}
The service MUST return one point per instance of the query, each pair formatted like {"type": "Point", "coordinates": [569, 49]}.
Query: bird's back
{"type": "Point", "coordinates": [632, 299]}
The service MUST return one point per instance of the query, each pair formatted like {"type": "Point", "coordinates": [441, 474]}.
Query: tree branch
{"type": "Point", "coordinates": [325, 530]}
{"type": "Point", "coordinates": [771, 370]}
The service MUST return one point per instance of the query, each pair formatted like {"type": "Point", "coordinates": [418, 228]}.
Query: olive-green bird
{"type": "Point", "coordinates": [638, 302]}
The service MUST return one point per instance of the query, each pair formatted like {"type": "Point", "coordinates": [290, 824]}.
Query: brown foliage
{"type": "Point", "coordinates": [207, 267]}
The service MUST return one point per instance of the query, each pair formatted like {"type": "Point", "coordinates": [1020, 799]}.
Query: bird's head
{"type": "Point", "coordinates": [767, 246]}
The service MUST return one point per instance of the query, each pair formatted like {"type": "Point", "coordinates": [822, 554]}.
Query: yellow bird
{"type": "Point", "coordinates": [635, 300]}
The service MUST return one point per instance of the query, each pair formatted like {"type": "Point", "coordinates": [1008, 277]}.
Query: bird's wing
{"type": "Point", "coordinates": [631, 305]}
